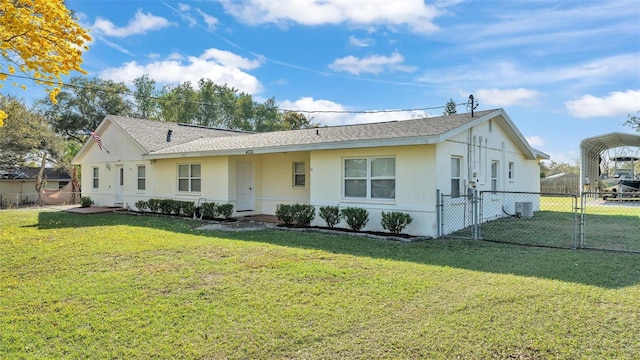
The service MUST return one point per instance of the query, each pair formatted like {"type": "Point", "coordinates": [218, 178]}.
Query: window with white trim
{"type": "Point", "coordinates": [189, 179]}
{"type": "Point", "coordinates": [142, 177]}
{"type": "Point", "coordinates": [512, 167]}
{"type": "Point", "coordinates": [298, 174]}
{"type": "Point", "coordinates": [370, 178]}
{"type": "Point", "coordinates": [494, 176]}
{"type": "Point", "coordinates": [456, 178]}
{"type": "Point", "coordinates": [95, 177]}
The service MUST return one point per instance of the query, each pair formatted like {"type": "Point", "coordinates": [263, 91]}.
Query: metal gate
{"type": "Point", "coordinates": [526, 218]}
{"type": "Point", "coordinates": [589, 221]}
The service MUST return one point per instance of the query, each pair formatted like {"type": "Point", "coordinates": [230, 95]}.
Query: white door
{"type": "Point", "coordinates": [244, 187]}
{"type": "Point", "coordinates": [119, 183]}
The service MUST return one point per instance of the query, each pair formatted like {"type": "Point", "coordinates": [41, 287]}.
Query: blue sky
{"type": "Point", "coordinates": [563, 70]}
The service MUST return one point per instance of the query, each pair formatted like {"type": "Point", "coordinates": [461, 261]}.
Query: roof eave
{"type": "Point", "coordinates": [337, 145]}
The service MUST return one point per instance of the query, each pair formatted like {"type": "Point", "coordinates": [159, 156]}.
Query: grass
{"type": "Point", "coordinates": [122, 286]}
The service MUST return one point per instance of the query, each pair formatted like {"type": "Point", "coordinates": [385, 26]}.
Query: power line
{"type": "Point", "coordinates": [129, 93]}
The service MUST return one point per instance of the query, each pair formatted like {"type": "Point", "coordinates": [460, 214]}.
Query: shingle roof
{"type": "Point", "coordinates": [24, 172]}
{"type": "Point", "coordinates": [413, 128]}
{"type": "Point", "coordinates": [152, 134]}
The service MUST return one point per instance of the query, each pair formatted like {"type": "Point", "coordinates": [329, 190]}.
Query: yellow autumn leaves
{"type": "Point", "coordinates": [42, 39]}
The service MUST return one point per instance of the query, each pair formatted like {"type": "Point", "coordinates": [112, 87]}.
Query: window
{"type": "Point", "coordinates": [95, 177]}
{"type": "Point", "coordinates": [455, 176]}
{"type": "Point", "coordinates": [511, 170]}
{"type": "Point", "coordinates": [142, 177]}
{"type": "Point", "coordinates": [298, 174]}
{"type": "Point", "coordinates": [370, 178]}
{"type": "Point", "coordinates": [490, 125]}
{"type": "Point", "coordinates": [189, 177]}
{"type": "Point", "coordinates": [494, 176]}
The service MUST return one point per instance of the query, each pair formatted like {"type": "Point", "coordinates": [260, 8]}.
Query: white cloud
{"type": "Point", "coordinates": [115, 46]}
{"type": "Point", "coordinates": [330, 113]}
{"type": "Point", "coordinates": [570, 157]}
{"type": "Point", "coordinates": [310, 104]}
{"type": "Point", "coordinates": [535, 141]}
{"type": "Point", "coordinates": [617, 103]}
{"type": "Point", "coordinates": [140, 24]}
{"type": "Point", "coordinates": [509, 74]}
{"type": "Point", "coordinates": [374, 64]}
{"type": "Point", "coordinates": [506, 97]}
{"type": "Point", "coordinates": [230, 59]}
{"type": "Point", "coordinates": [222, 67]}
{"type": "Point", "coordinates": [415, 14]}
{"type": "Point", "coordinates": [210, 20]}
{"type": "Point", "coordinates": [366, 42]}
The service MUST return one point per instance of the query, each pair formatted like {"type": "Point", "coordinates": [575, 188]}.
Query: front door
{"type": "Point", "coordinates": [244, 187]}
{"type": "Point", "coordinates": [119, 183]}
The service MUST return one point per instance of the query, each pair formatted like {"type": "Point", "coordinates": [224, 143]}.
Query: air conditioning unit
{"type": "Point", "coordinates": [524, 209]}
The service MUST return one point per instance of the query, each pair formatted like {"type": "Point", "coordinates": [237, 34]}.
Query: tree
{"type": "Point", "coordinates": [450, 108]}
{"type": "Point", "coordinates": [42, 39]}
{"type": "Point", "coordinates": [633, 121]}
{"type": "Point", "coordinates": [552, 168]}
{"type": "Point", "coordinates": [222, 106]}
{"type": "Point", "coordinates": [145, 97]}
{"type": "Point", "coordinates": [83, 105]}
{"type": "Point", "coordinates": [26, 138]}
{"type": "Point", "coordinates": [178, 104]}
{"type": "Point", "coordinates": [294, 120]}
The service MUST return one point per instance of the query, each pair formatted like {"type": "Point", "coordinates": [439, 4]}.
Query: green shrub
{"type": "Point", "coordinates": [85, 201]}
{"type": "Point", "coordinates": [284, 213]}
{"type": "Point", "coordinates": [153, 205]}
{"type": "Point", "coordinates": [330, 214]}
{"type": "Point", "coordinates": [175, 206]}
{"type": "Point", "coordinates": [188, 208]}
{"type": "Point", "coordinates": [300, 214]}
{"type": "Point", "coordinates": [209, 210]}
{"type": "Point", "coordinates": [303, 214]}
{"type": "Point", "coordinates": [225, 210]}
{"type": "Point", "coordinates": [395, 221]}
{"type": "Point", "coordinates": [141, 205]}
{"type": "Point", "coordinates": [356, 218]}
{"type": "Point", "coordinates": [166, 206]}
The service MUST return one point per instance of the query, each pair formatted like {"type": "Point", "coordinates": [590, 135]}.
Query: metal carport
{"type": "Point", "coordinates": [590, 149]}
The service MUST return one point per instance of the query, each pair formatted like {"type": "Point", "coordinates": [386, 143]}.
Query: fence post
{"type": "Point", "coordinates": [438, 215]}
{"type": "Point", "coordinates": [581, 225]}
{"type": "Point", "coordinates": [474, 215]}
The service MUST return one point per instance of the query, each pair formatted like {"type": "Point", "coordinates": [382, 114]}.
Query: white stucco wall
{"type": "Point", "coordinates": [415, 185]}
{"type": "Point", "coordinates": [488, 144]}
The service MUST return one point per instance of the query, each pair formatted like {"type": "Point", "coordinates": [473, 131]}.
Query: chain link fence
{"type": "Point", "coordinates": [544, 219]}
{"type": "Point", "coordinates": [529, 218]}
{"type": "Point", "coordinates": [25, 200]}
{"type": "Point", "coordinates": [456, 215]}
{"type": "Point", "coordinates": [611, 222]}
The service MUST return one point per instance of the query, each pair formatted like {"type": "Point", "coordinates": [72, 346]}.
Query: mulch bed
{"type": "Point", "coordinates": [374, 234]}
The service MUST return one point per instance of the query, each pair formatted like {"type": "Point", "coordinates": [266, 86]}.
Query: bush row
{"type": "Point", "coordinates": [356, 218]}
{"type": "Point", "coordinates": [167, 207]}
{"type": "Point", "coordinates": [212, 210]}
{"type": "Point", "coordinates": [208, 210]}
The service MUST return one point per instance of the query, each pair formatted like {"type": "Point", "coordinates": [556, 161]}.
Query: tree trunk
{"type": "Point", "coordinates": [75, 185]}
{"type": "Point", "coordinates": [40, 181]}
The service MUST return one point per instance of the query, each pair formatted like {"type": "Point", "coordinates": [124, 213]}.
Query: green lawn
{"type": "Point", "coordinates": [125, 286]}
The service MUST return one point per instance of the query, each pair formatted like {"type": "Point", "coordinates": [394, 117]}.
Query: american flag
{"type": "Point", "coordinates": [96, 137]}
